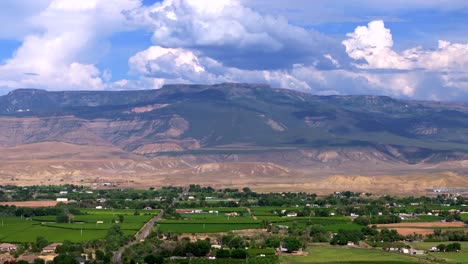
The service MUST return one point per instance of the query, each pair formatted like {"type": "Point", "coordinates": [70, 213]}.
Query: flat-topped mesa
{"type": "Point", "coordinates": [25, 91]}
{"type": "Point", "coordinates": [216, 86]}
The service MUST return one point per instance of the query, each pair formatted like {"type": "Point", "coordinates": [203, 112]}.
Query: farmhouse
{"type": "Point", "coordinates": [62, 199]}
{"type": "Point", "coordinates": [7, 247]}
{"type": "Point", "coordinates": [51, 248]}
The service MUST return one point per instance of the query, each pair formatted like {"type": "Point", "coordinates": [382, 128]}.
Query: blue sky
{"type": "Point", "coordinates": [407, 49]}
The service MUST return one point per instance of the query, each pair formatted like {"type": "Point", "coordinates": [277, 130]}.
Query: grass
{"type": "Point", "coordinates": [341, 255]}
{"type": "Point", "coordinates": [256, 260]}
{"type": "Point", "coordinates": [449, 257]}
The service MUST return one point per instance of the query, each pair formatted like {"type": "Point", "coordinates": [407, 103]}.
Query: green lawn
{"type": "Point", "coordinates": [329, 255]}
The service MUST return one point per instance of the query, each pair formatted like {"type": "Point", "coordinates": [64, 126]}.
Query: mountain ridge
{"type": "Point", "coordinates": [192, 125]}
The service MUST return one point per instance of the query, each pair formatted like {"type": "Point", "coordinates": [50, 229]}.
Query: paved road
{"type": "Point", "coordinates": [146, 229]}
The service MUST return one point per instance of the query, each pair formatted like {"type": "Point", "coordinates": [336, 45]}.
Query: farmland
{"type": "Point", "coordinates": [84, 227]}
{"type": "Point", "coordinates": [449, 257]}
{"type": "Point", "coordinates": [332, 255]}
{"type": "Point", "coordinates": [219, 222]}
{"type": "Point", "coordinates": [239, 226]}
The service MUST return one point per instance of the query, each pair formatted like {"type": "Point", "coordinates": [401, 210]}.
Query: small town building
{"type": "Point", "coordinates": [51, 248]}
{"type": "Point", "coordinates": [7, 247]}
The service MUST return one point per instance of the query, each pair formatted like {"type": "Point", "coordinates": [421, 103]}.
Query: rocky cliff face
{"type": "Point", "coordinates": [181, 128]}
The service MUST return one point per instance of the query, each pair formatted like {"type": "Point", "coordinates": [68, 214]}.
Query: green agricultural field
{"type": "Point", "coordinates": [225, 209]}
{"type": "Point", "coordinates": [257, 260]}
{"type": "Point", "coordinates": [254, 252]}
{"type": "Point", "coordinates": [449, 257]}
{"type": "Point", "coordinates": [212, 216]}
{"type": "Point", "coordinates": [120, 211]}
{"type": "Point", "coordinates": [84, 228]}
{"type": "Point", "coordinates": [203, 227]}
{"type": "Point", "coordinates": [425, 218]}
{"type": "Point", "coordinates": [338, 255]}
{"type": "Point", "coordinates": [216, 220]}
{"type": "Point", "coordinates": [464, 217]}
{"type": "Point", "coordinates": [267, 210]}
{"type": "Point", "coordinates": [221, 223]}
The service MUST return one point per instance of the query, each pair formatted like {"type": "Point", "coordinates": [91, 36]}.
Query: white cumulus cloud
{"type": "Point", "coordinates": [171, 65]}
{"type": "Point", "coordinates": [372, 48]}
{"type": "Point", "coordinates": [229, 31]}
{"type": "Point", "coordinates": [62, 52]}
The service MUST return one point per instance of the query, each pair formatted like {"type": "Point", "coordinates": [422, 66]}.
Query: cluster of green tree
{"type": "Point", "coordinates": [454, 247]}
{"type": "Point", "coordinates": [344, 236]}
{"type": "Point", "coordinates": [115, 238]}
{"type": "Point", "coordinates": [318, 233]}
{"type": "Point", "coordinates": [152, 259]}
{"type": "Point", "coordinates": [291, 243]}
{"type": "Point", "coordinates": [39, 211]}
{"type": "Point", "coordinates": [235, 254]}
{"type": "Point", "coordinates": [448, 235]}
{"type": "Point", "coordinates": [449, 216]}
{"type": "Point", "coordinates": [68, 247]}
{"type": "Point", "coordinates": [378, 219]}
{"type": "Point", "coordinates": [384, 235]}
{"type": "Point", "coordinates": [198, 249]}
{"type": "Point", "coordinates": [199, 189]}
{"type": "Point", "coordinates": [368, 233]}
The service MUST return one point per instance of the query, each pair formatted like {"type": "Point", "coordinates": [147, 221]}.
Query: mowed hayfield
{"type": "Point", "coordinates": [343, 255]}
{"type": "Point", "coordinates": [84, 228]}
{"type": "Point", "coordinates": [448, 257]}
